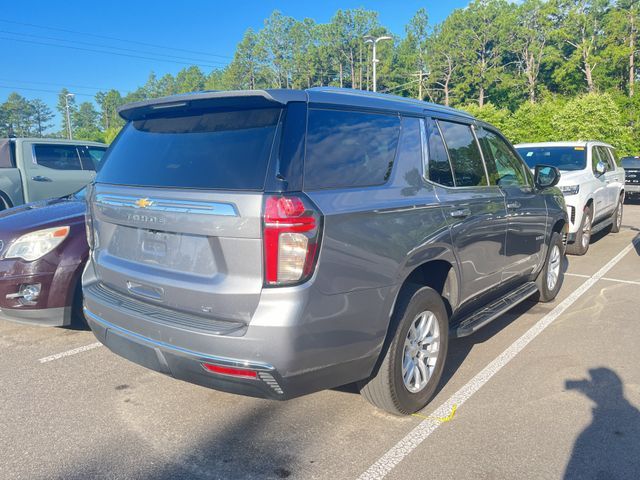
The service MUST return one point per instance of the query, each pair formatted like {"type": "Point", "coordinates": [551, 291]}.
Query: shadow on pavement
{"type": "Point", "coordinates": [610, 446]}
{"type": "Point", "coordinates": [242, 450]}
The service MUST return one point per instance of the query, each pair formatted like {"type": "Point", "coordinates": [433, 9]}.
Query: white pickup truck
{"type": "Point", "coordinates": [33, 169]}
{"type": "Point", "coordinates": [592, 184]}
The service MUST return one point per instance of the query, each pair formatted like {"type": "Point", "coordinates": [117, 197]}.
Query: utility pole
{"type": "Point", "coordinates": [66, 104]}
{"type": "Point", "coordinates": [420, 85]}
{"type": "Point", "coordinates": [374, 41]}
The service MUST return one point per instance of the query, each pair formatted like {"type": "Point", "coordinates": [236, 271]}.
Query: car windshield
{"type": "Point", "coordinates": [563, 158]}
{"type": "Point", "coordinates": [631, 162]}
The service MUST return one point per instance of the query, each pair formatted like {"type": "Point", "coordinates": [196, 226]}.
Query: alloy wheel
{"type": "Point", "coordinates": [420, 353]}
{"type": "Point", "coordinates": [553, 270]}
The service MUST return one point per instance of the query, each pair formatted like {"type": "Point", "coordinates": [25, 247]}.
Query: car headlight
{"type": "Point", "coordinates": [570, 189]}
{"type": "Point", "coordinates": [35, 245]}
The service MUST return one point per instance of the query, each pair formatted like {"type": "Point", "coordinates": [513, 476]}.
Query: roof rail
{"type": "Point", "coordinates": [390, 98]}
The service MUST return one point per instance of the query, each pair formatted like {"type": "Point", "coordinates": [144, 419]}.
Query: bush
{"type": "Point", "coordinates": [593, 117]}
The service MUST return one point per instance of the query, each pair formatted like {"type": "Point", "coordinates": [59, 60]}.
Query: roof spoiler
{"type": "Point", "coordinates": [210, 99]}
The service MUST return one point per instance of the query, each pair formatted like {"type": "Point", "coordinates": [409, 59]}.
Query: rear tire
{"type": "Point", "coordinates": [412, 366]}
{"type": "Point", "coordinates": [583, 236]}
{"type": "Point", "coordinates": [550, 278]}
{"type": "Point", "coordinates": [617, 216]}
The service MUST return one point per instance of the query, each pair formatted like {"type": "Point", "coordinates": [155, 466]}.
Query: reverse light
{"type": "Point", "coordinates": [230, 371]}
{"type": "Point", "coordinates": [570, 189]}
{"type": "Point", "coordinates": [35, 245]}
{"type": "Point", "coordinates": [291, 232]}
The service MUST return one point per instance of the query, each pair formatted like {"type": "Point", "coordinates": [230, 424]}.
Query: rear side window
{"type": "Point", "coordinates": [466, 161]}
{"type": "Point", "coordinates": [92, 157]}
{"type": "Point", "coordinates": [57, 157]}
{"type": "Point", "coordinates": [438, 159]}
{"type": "Point", "coordinates": [349, 149]}
{"type": "Point", "coordinates": [209, 150]}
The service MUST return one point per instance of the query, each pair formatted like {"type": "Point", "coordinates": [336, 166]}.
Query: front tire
{"type": "Point", "coordinates": [551, 276]}
{"type": "Point", "coordinates": [583, 236]}
{"type": "Point", "coordinates": [412, 365]}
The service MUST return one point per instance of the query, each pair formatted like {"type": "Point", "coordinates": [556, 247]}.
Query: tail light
{"type": "Point", "coordinates": [291, 239]}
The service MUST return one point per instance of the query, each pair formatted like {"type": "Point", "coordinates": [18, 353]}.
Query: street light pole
{"type": "Point", "coordinates": [374, 41]}
{"type": "Point", "coordinates": [66, 103]}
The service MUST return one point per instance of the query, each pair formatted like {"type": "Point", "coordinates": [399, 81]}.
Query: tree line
{"type": "Point", "coordinates": [527, 67]}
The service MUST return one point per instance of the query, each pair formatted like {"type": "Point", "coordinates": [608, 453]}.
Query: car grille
{"type": "Point", "coordinates": [164, 315]}
{"type": "Point", "coordinates": [632, 176]}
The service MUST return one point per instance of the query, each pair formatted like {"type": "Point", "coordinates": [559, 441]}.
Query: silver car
{"type": "Point", "coordinates": [276, 243]}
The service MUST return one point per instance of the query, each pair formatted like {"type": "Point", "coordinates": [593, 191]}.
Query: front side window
{"type": "Point", "coordinates": [439, 168]}
{"type": "Point", "coordinates": [466, 161]}
{"type": "Point", "coordinates": [505, 168]}
{"type": "Point", "coordinates": [57, 157]}
{"type": "Point", "coordinates": [349, 149]}
{"type": "Point", "coordinates": [599, 154]}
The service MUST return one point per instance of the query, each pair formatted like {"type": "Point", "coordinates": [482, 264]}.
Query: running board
{"type": "Point", "coordinates": [598, 227]}
{"type": "Point", "coordinates": [479, 319]}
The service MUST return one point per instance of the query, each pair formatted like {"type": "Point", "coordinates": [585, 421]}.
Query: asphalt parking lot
{"type": "Point", "coordinates": [547, 391]}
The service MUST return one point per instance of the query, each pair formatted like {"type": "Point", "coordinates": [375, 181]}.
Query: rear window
{"type": "Point", "coordinates": [349, 149]}
{"type": "Point", "coordinates": [563, 158]}
{"type": "Point", "coordinates": [630, 162]}
{"type": "Point", "coordinates": [208, 150]}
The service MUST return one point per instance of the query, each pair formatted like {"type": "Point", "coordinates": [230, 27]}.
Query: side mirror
{"type": "Point", "coordinates": [601, 168]}
{"type": "Point", "coordinates": [546, 176]}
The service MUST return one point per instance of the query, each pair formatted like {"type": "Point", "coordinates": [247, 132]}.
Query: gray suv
{"type": "Point", "coordinates": [274, 243]}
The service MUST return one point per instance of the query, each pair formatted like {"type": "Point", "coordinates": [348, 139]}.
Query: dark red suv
{"type": "Point", "coordinates": [43, 249]}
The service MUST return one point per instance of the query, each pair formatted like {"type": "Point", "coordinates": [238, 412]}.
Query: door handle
{"type": "Point", "coordinates": [460, 213]}
{"type": "Point", "coordinates": [513, 205]}
{"type": "Point", "coordinates": [40, 178]}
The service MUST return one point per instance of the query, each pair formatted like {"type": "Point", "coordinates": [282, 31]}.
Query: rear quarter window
{"type": "Point", "coordinates": [349, 149]}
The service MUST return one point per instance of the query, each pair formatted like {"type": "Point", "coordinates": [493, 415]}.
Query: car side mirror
{"type": "Point", "coordinates": [601, 168]}
{"type": "Point", "coordinates": [546, 176]}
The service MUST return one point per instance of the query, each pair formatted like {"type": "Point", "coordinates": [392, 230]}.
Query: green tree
{"type": "Point", "coordinates": [85, 122]}
{"type": "Point", "coordinates": [593, 117]}
{"type": "Point", "coordinates": [41, 116]}
{"type": "Point", "coordinates": [581, 36]}
{"type": "Point", "coordinates": [109, 102]}
{"type": "Point", "coordinates": [248, 68]}
{"type": "Point", "coordinates": [190, 79]}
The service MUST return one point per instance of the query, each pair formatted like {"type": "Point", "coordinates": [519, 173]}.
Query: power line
{"type": "Point", "coordinates": [164, 47]}
{"type": "Point", "coordinates": [8, 87]}
{"type": "Point", "coordinates": [109, 47]}
{"type": "Point", "coordinates": [52, 84]}
{"type": "Point", "coordinates": [34, 42]}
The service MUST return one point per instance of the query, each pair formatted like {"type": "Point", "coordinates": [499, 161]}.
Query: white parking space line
{"type": "Point", "coordinates": [579, 275]}
{"type": "Point", "coordinates": [424, 429]}
{"type": "Point", "coordinates": [68, 353]}
{"type": "Point", "coordinates": [608, 279]}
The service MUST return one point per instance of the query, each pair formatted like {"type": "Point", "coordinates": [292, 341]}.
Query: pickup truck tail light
{"type": "Point", "coordinates": [291, 234]}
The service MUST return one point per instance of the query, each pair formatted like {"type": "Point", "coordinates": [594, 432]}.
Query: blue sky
{"type": "Point", "coordinates": [35, 68]}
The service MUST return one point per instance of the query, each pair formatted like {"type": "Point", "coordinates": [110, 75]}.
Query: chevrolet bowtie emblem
{"type": "Point", "coordinates": [144, 203]}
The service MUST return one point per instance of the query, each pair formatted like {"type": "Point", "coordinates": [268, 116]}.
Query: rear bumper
{"type": "Point", "coordinates": [632, 189]}
{"type": "Point", "coordinates": [186, 365]}
{"type": "Point", "coordinates": [298, 340]}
